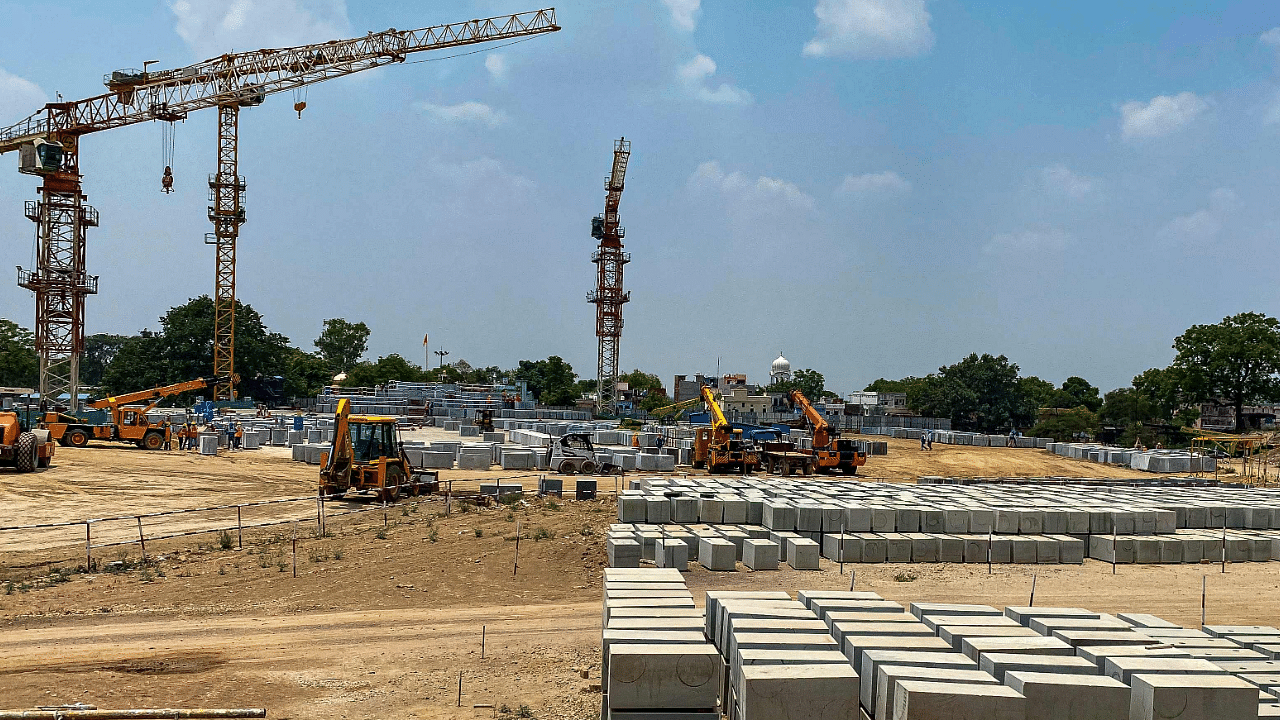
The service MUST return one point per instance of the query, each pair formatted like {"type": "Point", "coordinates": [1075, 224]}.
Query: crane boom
{"type": "Point", "coordinates": [718, 420]}
{"type": "Point", "coordinates": [248, 77]}
{"type": "Point", "coordinates": [821, 430]}
{"type": "Point", "coordinates": [158, 393]}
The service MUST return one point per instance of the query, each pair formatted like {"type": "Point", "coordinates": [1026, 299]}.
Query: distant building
{"type": "Point", "coordinates": [1215, 416]}
{"type": "Point", "coordinates": [780, 371]}
{"type": "Point", "coordinates": [684, 388]}
{"type": "Point", "coordinates": [740, 400]}
{"type": "Point", "coordinates": [871, 403]}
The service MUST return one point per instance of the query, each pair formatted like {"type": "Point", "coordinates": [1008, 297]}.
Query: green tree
{"type": "Point", "coordinates": [1040, 393]}
{"type": "Point", "coordinates": [640, 381]}
{"type": "Point", "coordinates": [341, 343]}
{"type": "Point", "coordinates": [1075, 392]}
{"type": "Point", "coordinates": [382, 371]}
{"type": "Point", "coordinates": [981, 393]}
{"type": "Point", "coordinates": [1124, 407]}
{"type": "Point", "coordinates": [1236, 361]}
{"type": "Point", "coordinates": [552, 381]}
{"type": "Point", "coordinates": [1165, 391]}
{"type": "Point", "coordinates": [1064, 425]}
{"type": "Point", "coordinates": [889, 386]}
{"type": "Point", "coordinates": [99, 350]}
{"type": "Point", "coordinates": [19, 364]}
{"type": "Point", "coordinates": [183, 349]}
{"type": "Point", "coordinates": [305, 373]}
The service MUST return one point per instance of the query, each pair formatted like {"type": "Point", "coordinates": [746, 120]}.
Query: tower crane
{"type": "Point", "coordinates": [48, 142]}
{"type": "Point", "coordinates": [609, 296]}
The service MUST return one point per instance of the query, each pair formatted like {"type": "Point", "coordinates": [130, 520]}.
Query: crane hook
{"type": "Point", "coordinates": [300, 106]}
{"type": "Point", "coordinates": [166, 182]}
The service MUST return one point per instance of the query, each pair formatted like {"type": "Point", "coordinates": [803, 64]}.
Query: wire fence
{"type": "Point", "coordinates": [311, 511]}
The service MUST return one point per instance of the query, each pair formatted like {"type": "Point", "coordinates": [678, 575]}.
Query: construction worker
{"type": "Point", "coordinates": [239, 434]}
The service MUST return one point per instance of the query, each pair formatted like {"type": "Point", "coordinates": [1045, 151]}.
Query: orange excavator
{"type": "Point", "coordinates": [830, 453]}
{"type": "Point", "coordinates": [129, 422]}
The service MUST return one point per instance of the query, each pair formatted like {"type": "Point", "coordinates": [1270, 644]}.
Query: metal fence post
{"type": "Point", "coordinates": [88, 547]}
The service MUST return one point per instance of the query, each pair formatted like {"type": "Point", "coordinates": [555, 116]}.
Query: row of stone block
{"type": "Point", "coordinates": [1187, 546]}
{"type": "Point", "coordinates": [830, 652]}
{"type": "Point", "coordinates": [821, 506]}
{"type": "Point", "coordinates": [1156, 461]}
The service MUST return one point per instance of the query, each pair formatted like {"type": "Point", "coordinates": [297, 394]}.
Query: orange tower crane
{"type": "Point", "coordinates": [48, 144]}
{"type": "Point", "coordinates": [609, 296]}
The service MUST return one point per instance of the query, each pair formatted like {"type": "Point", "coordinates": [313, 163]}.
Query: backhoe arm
{"type": "Point", "coordinates": [821, 430]}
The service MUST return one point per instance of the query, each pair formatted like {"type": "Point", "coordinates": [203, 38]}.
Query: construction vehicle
{"type": "Point", "coordinates": [574, 453]}
{"type": "Point", "coordinates": [22, 449]}
{"type": "Point", "coordinates": [129, 422]}
{"type": "Point", "coordinates": [669, 414]}
{"type": "Point", "coordinates": [722, 448]}
{"type": "Point", "coordinates": [830, 452]}
{"type": "Point", "coordinates": [367, 456]}
{"type": "Point", "coordinates": [778, 453]}
{"type": "Point", "coordinates": [484, 420]}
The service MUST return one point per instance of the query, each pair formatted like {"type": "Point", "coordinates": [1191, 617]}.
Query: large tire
{"type": "Point", "coordinates": [568, 467]}
{"type": "Point", "coordinates": [153, 441]}
{"type": "Point", "coordinates": [77, 438]}
{"type": "Point", "coordinates": [588, 467]}
{"type": "Point", "coordinates": [24, 459]}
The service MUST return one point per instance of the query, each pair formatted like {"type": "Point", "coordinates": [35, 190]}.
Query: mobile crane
{"type": "Point", "coordinates": [129, 422]}
{"type": "Point", "coordinates": [829, 451]}
{"type": "Point", "coordinates": [668, 414]}
{"type": "Point", "coordinates": [721, 448]}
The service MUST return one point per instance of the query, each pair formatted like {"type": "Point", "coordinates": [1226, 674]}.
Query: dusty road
{"type": "Point", "coordinates": [379, 622]}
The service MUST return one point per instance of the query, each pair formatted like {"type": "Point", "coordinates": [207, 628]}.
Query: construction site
{"type": "Point", "coordinates": [210, 548]}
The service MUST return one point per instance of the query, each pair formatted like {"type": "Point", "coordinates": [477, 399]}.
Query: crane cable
{"type": "Point", "coordinates": [167, 133]}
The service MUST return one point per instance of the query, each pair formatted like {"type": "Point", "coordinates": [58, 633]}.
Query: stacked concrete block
{"type": "Point", "coordinates": [519, 460]}
{"type": "Point", "coordinates": [1032, 523]}
{"type": "Point", "coordinates": [717, 554]}
{"type": "Point", "coordinates": [760, 554]}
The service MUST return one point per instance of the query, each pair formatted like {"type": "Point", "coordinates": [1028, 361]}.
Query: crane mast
{"type": "Point", "coordinates": [48, 141]}
{"type": "Point", "coordinates": [609, 296]}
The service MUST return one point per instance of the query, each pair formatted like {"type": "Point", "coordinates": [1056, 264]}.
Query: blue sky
{"type": "Point", "coordinates": [875, 187]}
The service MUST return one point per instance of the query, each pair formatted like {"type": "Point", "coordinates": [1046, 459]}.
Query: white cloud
{"type": "Point", "coordinates": [1029, 241]}
{"type": "Point", "coordinates": [485, 176]}
{"type": "Point", "coordinates": [694, 76]}
{"type": "Point", "coordinates": [1271, 37]}
{"type": "Point", "coordinates": [759, 194]}
{"type": "Point", "coordinates": [466, 112]}
{"type": "Point", "coordinates": [871, 28]}
{"type": "Point", "coordinates": [1163, 115]}
{"type": "Point", "coordinates": [213, 27]}
{"type": "Point", "coordinates": [867, 183]}
{"type": "Point", "coordinates": [1206, 223]}
{"type": "Point", "coordinates": [496, 64]}
{"type": "Point", "coordinates": [1060, 180]}
{"type": "Point", "coordinates": [684, 13]}
{"type": "Point", "coordinates": [19, 97]}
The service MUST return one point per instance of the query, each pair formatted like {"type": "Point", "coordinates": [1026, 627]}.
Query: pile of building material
{"type": "Point", "coordinates": [881, 522]}
{"type": "Point", "coordinates": [830, 655]}
{"type": "Point", "coordinates": [956, 437]}
{"type": "Point", "coordinates": [1157, 461]}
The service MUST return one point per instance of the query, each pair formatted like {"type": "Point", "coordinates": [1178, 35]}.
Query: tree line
{"type": "Point", "coordinates": [1232, 363]}
{"type": "Point", "coordinates": [182, 349]}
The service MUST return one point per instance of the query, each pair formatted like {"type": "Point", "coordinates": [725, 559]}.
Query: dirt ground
{"type": "Point", "coordinates": [380, 621]}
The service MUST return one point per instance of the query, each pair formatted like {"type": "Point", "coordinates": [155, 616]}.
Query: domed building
{"type": "Point", "coordinates": [780, 371]}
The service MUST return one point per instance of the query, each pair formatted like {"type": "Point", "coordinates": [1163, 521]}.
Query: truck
{"type": "Point", "coordinates": [129, 422]}
{"type": "Point", "coordinates": [831, 453]}
{"type": "Point", "coordinates": [721, 448]}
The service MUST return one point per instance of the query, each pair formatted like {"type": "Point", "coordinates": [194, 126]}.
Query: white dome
{"type": "Point", "coordinates": [781, 365]}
